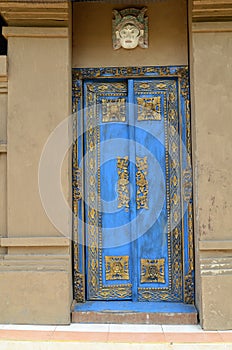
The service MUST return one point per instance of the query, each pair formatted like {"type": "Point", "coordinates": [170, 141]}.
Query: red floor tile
{"type": "Point", "coordinates": [193, 337]}
{"type": "Point", "coordinates": [25, 335]}
{"type": "Point", "coordinates": [226, 337]}
{"type": "Point", "coordinates": [136, 337]}
{"type": "Point", "coordinates": [80, 336]}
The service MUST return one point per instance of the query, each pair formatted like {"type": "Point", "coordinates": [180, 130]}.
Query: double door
{"type": "Point", "coordinates": [136, 214]}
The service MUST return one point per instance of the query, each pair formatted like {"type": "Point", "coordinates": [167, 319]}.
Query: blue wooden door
{"type": "Point", "coordinates": [133, 209]}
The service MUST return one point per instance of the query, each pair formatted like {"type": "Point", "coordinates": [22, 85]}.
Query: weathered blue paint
{"type": "Point", "coordinates": [149, 233]}
{"type": "Point", "coordinates": [128, 306]}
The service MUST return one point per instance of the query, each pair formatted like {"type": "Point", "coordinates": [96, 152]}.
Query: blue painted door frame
{"type": "Point", "coordinates": [132, 185]}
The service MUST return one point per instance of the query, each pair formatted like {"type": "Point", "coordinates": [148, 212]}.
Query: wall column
{"type": "Point", "coordinates": [35, 269]}
{"type": "Point", "coordinates": [3, 149]}
{"type": "Point", "coordinates": [211, 88]}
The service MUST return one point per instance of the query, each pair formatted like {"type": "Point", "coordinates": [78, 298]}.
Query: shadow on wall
{"type": "Point", "coordinates": [3, 41]}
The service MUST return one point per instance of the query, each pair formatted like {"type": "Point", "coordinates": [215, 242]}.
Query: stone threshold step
{"type": "Point", "coordinates": [134, 313]}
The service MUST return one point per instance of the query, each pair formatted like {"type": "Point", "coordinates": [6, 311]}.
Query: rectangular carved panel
{"type": "Point", "coordinates": [113, 110]}
{"type": "Point", "coordinates": [117, 267]}
{"type": "Point", "coordinates": [149, 108]}
{"type": "Point", "coordinates": [152, 270]}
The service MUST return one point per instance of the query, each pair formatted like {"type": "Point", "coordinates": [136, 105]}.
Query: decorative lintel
{"type": "Point", "coordinates": [35, 13]}
{"type": "Point", "coordinates": [215, 245]}
{"type": "Point", "coordinates": [209, 11]}
{"type": "Point", "coordinates": [34, 32]}
{"type": "Point", "coordinates": [212, 27]}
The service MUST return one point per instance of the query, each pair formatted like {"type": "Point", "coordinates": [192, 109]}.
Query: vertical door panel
{"type": "Point", "coordinates": [156, 118]}
{"type": "Point", "coordinates": [151, 133]}
{"type": "Point", "coordinates": [108, 217]}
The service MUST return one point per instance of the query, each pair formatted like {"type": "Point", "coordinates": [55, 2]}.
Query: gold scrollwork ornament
{"type": "Point", "coordinates": [123, 183]}
{"type": "Point", "coordinates": [117, 267]}
{"type": "Point", "coordinates": [113, 110]}
{"type": "Point", "coordinates": [142, 183]}
{"type": "Point", "coordinates": [152, 270]}
{"type": "Point", "coordinates": [149, 108]}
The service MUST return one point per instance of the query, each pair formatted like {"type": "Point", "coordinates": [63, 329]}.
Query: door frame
{"type": "Point", "coordinates": [182, 75]}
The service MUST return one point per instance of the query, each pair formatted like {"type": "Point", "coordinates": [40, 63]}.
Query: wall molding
{"type": "Point", "coordinates": [33, 13]}
{"type": "Point", "coordinates": [3, 86]}
{"type": "Point", "coordinates": [34, 32]}
{"type": "Point", "coordinates": [3, 68]}
{"type": "Point", "coordinates": [212, 10]}
{"type": "Point", "coordinates": [212, 27]}
{"type": "Point", "coordinates": [37, 263]}
{"type": "Point", "coordinates": [215, 245]}
{"type": "Point", "coordinates": [215, 266]}
{"type": "Point", "coordinates": [3, 146]}
{"type": "Point", "coordinates": [35, 242]}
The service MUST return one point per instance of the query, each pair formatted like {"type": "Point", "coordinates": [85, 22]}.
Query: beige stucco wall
{"type": "Point", "coordinates": [92, 42]}
{"type": "Point", "coordinates": [3, 148]}
{"type": "Point", "coordinates": [211, 98]}
{"type": "Point", "coordinates": [38, 102]}
{"type": "Point", "coordinates": [34, 270]}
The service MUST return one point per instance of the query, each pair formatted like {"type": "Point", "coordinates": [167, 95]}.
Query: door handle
{"type": "Point", "coordinates": [123, 182]}
{"type": "Point", "coordinates": [141, 183]}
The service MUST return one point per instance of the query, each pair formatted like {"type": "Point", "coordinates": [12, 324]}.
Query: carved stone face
{"type": "Point", "coordinates": [130, 28]}
{"type": "Point", "coordinates": [129, 36]}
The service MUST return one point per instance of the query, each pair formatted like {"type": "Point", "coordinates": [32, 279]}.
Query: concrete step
{"type": "Point", "coordinates": [128, 312]}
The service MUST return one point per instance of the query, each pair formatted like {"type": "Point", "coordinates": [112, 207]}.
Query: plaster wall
{"type": "Point", "coordinates": [212, 87]}
{"type": "Point", "coordinates": [3, 149]}
{"type": "Point", "coordinates": [35, 272]}
{"type": "Point", "coordinates": [3, 195]}
{"type": "Point", "coordinates": [34, 297]}
{"type": "Point", "coordinates": [38, 102]}
{"type": "Point", "coordinates": [212, 67]}
{"type": "Point", "coordinates": [92, 40]}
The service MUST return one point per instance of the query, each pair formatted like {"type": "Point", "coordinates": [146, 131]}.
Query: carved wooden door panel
{"type": "Point", "coordinates": [130, 254]}
{"type": "Point", "coordinates": [108, 259]}
{"type": "Point", "coordinates": [137, 200]}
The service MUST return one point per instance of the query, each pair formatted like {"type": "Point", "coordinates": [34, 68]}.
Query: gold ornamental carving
{"type": "Point", "coordinates": [142, 183]}
{"type": "Point", "coordinates": [77, 180]}
{"type": "Point", "coordinates": [123, 183]}
{"type": "Point", "coordinates": [113, 110]}
{"type": "Point", "coordinates": [152, 270]}
{"type": "Point", "coordinates": [117, 268]}
{"type": "Point", "coordinates": [187, 184]}
{"type": "Point", "coordinates": [79, 287]}
{"type": "Point", "coordinates": [149, 108]}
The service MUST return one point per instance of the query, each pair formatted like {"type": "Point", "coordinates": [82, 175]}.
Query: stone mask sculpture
{"type": "Point", "coordinates": [130, 28]}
